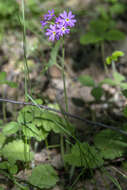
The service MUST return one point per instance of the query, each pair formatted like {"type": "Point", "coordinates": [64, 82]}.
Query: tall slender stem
{"type": "Point", "coordinates": [26, 69]}
{"type": "Point", "coordinates": [63, 75]}
{"type": "Point", "coordinates": [24, 46]}
{"type": "Point", "coordinates": [26, 72]}
{"type": "Point", "coordinates": [4, 109]}
{"type": "Point", "coordinates": [65, 98]}
{"type": "Point", "coordinates": [103, 57]}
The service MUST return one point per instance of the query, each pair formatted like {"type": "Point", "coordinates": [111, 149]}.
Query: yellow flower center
{"type": "Point", "coordinates": [63, 28]}
{"type": "Point", "coordinates": [67, 19]}
{"type": "Point", "coordinates": [54, 33]}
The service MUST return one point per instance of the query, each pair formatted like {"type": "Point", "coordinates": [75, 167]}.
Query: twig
{"type": "Point", "coordinates": [65, 113]}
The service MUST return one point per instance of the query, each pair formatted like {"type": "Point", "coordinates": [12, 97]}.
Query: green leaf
{"type": "Point", "coordinates": [39, 101]}
{"type": "Point", "coordinates": [102, 11]}
{"type": "Point", "coordinates": [30, 130]}
{"type": "Point", "coordinates": [125, 111]}
{"type": "Point", "coordinates": [17, 150]}
{"type": "Point", "coordinates": [124, 92]}
{"type": "Point", "coordinates": [110, 143]}
{"type": "Point", "coordinates": [97, 93]}
{"type": "Point", "coordinates": [57, 124]}
{"type": "Point", "coordinates": [124, 165]}
{"type": "Point", "coordinates": [11, 84]}
{"type": "Point", "coordinates": [10, 128]}
{"type": "Point", "coordinates": [54, 53]}
{"type": "Point", "coordinates": [90, 38]}
{"type": "Point", "coordinates": [83, 155]}
{"type": "Point", "coordinates": [43, 134]}
{"type": "Point", "coordinates": [43, 176]}
{"type": "Point", "coordinates": [86, 80]}
{"type": "Point", "coordinates": [13, 169]}
{"type": "Point", "coordinates": [123, 86]}
{"type": "Point", "coordinates": [37, 122]}
{"type": "Point", "coordinates": [116, 55]}
{"type": "Point", "coordinates": [1, 188]}
{"type": "Point", "coordinates": [99, 26]}
{"type": "Point", "coordinates": [49, 122]}
{"type": "Point", "coordinates": [1, 123]}
{"type": "Point", "coordinates": [54, 106]}
{"type": "Point", "coordinates": [118, 77]}
{"type": "Point", "coordinates": [109, 60]}
{"type": "Point", "coordinates": [4, 165]}
{"type": "Point", "coordinates": [114, 35]}
{"type": "Point", "coordinates": [2, 76]}
{"type": "Point", "coordinates": [32, 110]}
{"type": "Point", "coordinates": [25, 117]}
{"type": "Point", "coordinates": [2, 139]}
{"type": "Point", "coordinates": [108, 81]}
{"type": "Point", "coordinates": [8, 7]}
{"type": "Point", "coordinates": [3, 80]}
{"type": "Point", "coordinates": [117, 8]}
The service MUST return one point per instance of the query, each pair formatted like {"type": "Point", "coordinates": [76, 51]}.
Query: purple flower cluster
{"type": "Point", "coordinates": [58, 26]}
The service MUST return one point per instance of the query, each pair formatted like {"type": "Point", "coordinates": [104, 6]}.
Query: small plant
{"type": "Point", "coordinates": [103, 28]}
{"type": "Point", "coordinates": [101, 31]}
{"type": "Point", "coordinates": [118, 79]}
{"type": "Point", "coordinates": [31, 123]}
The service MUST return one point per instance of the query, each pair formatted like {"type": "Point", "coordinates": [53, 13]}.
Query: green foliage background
{"type": "Point", "coordinates": [33, 123]}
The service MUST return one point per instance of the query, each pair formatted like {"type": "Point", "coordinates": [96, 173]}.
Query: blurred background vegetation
{"type": "Point", "coordinates": [95, 76]}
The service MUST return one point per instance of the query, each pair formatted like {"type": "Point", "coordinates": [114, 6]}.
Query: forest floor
{"type": "Point", "coordinates": [79, 60]}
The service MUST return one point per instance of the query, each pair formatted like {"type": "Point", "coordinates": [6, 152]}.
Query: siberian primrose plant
{"type": "Point", "coordinates": [55, 28]}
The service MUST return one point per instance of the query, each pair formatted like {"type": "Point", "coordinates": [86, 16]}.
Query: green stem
{"type": "Point", "coordinates": [113, 67]}
{"type": "Point", "coordinates": [18, 184]}
{"type": "Point", "coordinates": [76, 180]}
{"type": "Point", "coordinates": [103, 57]}
{"type": "Point", "coordinates": [66, 101]}
{"type": "Point", "coordinates": [26, 68]}
{"type": "Point", "coordinates": [4, 109]}
{"type": "Point", "coordinates": [65, 96]}
{"type": "Point", "coordinates": [63, 75]}
{"type": "Point", "coordinates": [25, 147]}
{"type": "Point", "coordinates": [24, 47]}
{"type": "Point", "coordinates": [13, 179]}
{"type": "Point", "coordinates": [27, 79]}
{"type": "Point", "coordinates": [62, 146]}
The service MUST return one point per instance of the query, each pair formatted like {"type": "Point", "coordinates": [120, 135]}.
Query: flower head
{"type": "Point", "coordinates": [59, 21]}
{"type": "Point", "coordinates": [61, 29]}
{"type": "Point", "coordinates": [50, 15]}
{"type": "Point", "coordinates": [52, 32]}
{"type": "Point", "coordinates": [68, 18]}
{"type": "Point", "coordinates": [43, 23]}
{"type": "Point", "coordinates": [58, 26]}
